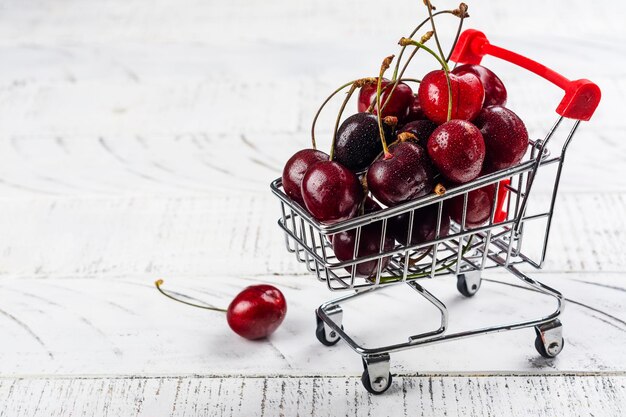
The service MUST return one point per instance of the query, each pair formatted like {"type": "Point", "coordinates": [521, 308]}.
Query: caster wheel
{"type": "Point", "coordinates": [468, 284]}
{"type": "Point", "coordinates": [552, 351]}
{"type": "Point", "coordinates": [381, 385]}
{"type": "Point", "coordinates": [329, 338]}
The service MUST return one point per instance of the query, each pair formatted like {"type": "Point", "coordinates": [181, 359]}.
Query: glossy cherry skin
{"type": "Point", "coordinates": [424, 225]}
{"type": "Point", "coordinates": [479, 203]}
{"type": "Point", "coordinates": [457, 149]}
{"type": "Point", "coordinates": [358, 141]}
{"type": "Point", "coordinates": [415, 111]}
{"type": "Point", "coordinates": [294, 171]}
{"type": "Point", "coordinates": [422, 129]}
{"type": "Point", "coordinates": [468, 95]}
{"type": "Point", "coordinates": [257, 311]}
{"type": "Point", "coordinates": [406, 175]}
{"type": "Point", "coordinates": [495, 92]}
{"type": "Point", "coordinates": [331, 192]}
{"type": "Point", "coordinates": [398, 105]}
{"type": "Point", "coordinates": [369, 244]}
{"type": "Point", "coordinates": [505, 135]}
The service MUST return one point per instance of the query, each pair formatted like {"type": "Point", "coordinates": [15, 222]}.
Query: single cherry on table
{"type": "Point", "coordinates": [257, 311]}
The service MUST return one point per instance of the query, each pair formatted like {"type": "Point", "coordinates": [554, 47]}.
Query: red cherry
{"type": "Point", "coordinates": [257, 311]}
{"type": "Point", "coordinates": [415, 111]}
{"type": "Point", "coordinates": [457, 149]}
{"type": "Point", "coordinates": [467, 96]}
{"type": "Point", "coordinates": [398, 105]}
{"type": "Point", "coordinates": [495, 92]}
{"type": "Point", "coordinates": [506, 137]}
{"type": "Point", "coordinates": [369, 244]}
{"type": "Point", "coordinates": [406, 175]}
{"type": "Point", "coordinates": [294, 171]}
{"type": "Point", "coordinates": [479, 204]}
{"type": "Point", "coordinates": [331, 192]}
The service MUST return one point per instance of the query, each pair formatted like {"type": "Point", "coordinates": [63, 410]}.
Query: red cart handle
{"type": "Point", "coordinates": [581, 96]}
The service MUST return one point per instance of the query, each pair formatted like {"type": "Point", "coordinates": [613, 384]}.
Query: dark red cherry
{"type": "Point", "coordinates": [397, 106]}
{"type": "Point", "coordinates": [294, 171]}
{"type": "Point", "coordinates": [415, 111]}
{"type": "Point", "coordinates": [424, 225]}
{"type": "Point", "coordinates": [331, 192]}
{"type": "Point", "coordinates": [422, 129]}
{"type": "Point", "coordinates": [467, 96]}
{"type": "Point", "coordinates": [457, 149]}
{"type": "Point", "coordinates": [256, 311]}
{"type": "Point", "coordinates": [495, 92]}
{"type": "Point", "coordinates": [506, 137]}
{"type": "Point", "coordinates": [479, 203]}
{"type": "Point", "coordinates": [369, 244]}
{"type": "Point", "coordinates": [406, 175]}
{"type": "Point", "coordinates": [358, 141]}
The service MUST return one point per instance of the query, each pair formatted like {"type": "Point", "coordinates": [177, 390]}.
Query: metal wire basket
{"type": "Point", "coordinates": [465, 251]}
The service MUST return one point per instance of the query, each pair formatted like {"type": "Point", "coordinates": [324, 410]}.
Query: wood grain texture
{"type": "Point", "coordinates": [532, 395]}
{"type": "Point", "coordinates": [137, 141]}
{"type": "Point", "coordinates": [122, 326]}
{"type": "Point", "coordinates": [235, 234]}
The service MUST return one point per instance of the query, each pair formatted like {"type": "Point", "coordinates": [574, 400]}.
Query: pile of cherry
{"type": "Point", "coordinates": [434, 143]}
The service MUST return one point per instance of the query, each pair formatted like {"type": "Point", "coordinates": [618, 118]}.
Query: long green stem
{"type": "Point", "coordinates": [317, 114]}
{"type": "Point", "coordinates": [456, 37]}
{"type": "Point", "coordinates": [432, 24]}
{"type": "Point", "coordinates": [383, 68]}
{"type": "Point", "coordinates": [343, 106]}
{"type": "Point", "coordinates": [417, 28]}
{"type": "Point", "coordinates": [158, 284]}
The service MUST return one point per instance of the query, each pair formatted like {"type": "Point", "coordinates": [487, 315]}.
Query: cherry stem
{"type": "Point", "coordinates": [384, 66]}
{"type": "Point", "coordinates": [158, 284]}
{"type": "Point", "coordinates": [313, 142]}
{"type": "Point", "coordinates": [392, 87]}
{"type": "Point", "coordinates": [343, 106]}
{"type": "Point", "coordinates": [432, 23]}
{"type": "Point", "coordinates": [417, 28]}
{"type": "Point", "coordinates": [456, 38]}
{"type": "Point", "coordinates": [444, 65]}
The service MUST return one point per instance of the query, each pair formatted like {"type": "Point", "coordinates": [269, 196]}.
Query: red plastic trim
{"type": "Point", "coordinates": [581, 96]}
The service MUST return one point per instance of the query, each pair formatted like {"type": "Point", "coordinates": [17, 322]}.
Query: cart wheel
{"type": "Point", "coordinates": [468, 283]}
{"type": "Point", "coordinates": [555, 350]}
{"type": "Point", "coordinates": [326, 336]}
{"type": "Point", "coordinates": [376, 377]}
{"type": "Point", "coordinates": [380, 385]}
{"type": "Point", "coordinates": [549, 340]}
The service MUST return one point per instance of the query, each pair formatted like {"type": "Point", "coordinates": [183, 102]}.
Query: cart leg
{"type": "Point", "coordinates": [324, 333]}
{"type": "Point", "coordinates": [549, 341]}
{"type": "Point", "coordinates": [376, 377]}
{"type": "Point", "coordinates": [468, 283]}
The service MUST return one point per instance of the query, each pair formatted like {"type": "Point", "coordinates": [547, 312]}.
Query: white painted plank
{"type": "Point", "coordinates": [540, 396]}
{"type": "Point", "coordinates": [122, 326]}
{"type": "Point", "coordinates": [236, 234]}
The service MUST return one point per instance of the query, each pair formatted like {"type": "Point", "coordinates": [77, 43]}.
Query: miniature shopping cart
{"type": "Point", "coordinates": [465, 251]}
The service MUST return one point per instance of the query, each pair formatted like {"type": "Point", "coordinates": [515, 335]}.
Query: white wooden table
{"type": "Point", "coordinates": [138, 140]}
